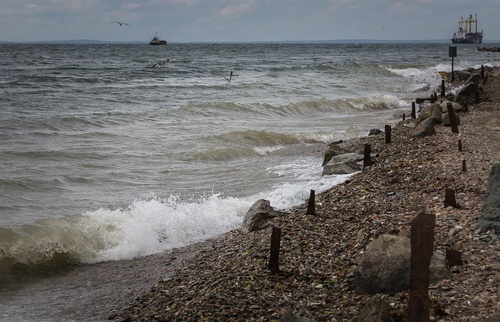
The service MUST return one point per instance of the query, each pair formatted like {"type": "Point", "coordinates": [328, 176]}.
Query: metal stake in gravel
{"type": "Point", "coordinates": [453, 119]}
{"type": "Point", "coordinates": [274, 258]}
{"type": "Point", "coordinates": [454, 257]}
{"type": "Point", "coordinates": [367, 161]}
{"type": "Point", "coordinates": [388, 131]}
{"type": "Point", "coordinates": [422, 245]}
{"type": "Point", "coordinates": [449, 198]}
{"type": "Point", "coordinates": [413, 114]}
{"type": "Point", "coordinates": [311, 208]}
{"type": "Point", "coordinates": [460, 145]}
{"type": "Point", "coordinates": [464, 166]}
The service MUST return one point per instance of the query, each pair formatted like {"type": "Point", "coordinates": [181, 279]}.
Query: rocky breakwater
{"type": "Point", "coordinates": [322, 256]}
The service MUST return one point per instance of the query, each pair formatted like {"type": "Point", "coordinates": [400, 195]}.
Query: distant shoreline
{"type": "Point", "coordinates": [339, 41]}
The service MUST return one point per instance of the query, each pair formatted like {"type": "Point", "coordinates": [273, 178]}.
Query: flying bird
{"type": "Point", "coordinates": [230, 76]}
{"type": "Point", "coordinates": [160, 64]}
{"type": "Point", "coordinates": [120, 23]}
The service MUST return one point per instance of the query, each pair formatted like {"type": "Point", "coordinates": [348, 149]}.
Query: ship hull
{"type": "Point", "coordinates": [470, 38]}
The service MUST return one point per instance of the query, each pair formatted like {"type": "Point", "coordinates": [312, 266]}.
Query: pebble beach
{"type": "Point", "coordinates": [227, 278]}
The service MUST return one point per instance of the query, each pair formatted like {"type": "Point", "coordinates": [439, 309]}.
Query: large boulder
{"type": "Point", "coordinates": [490, 211]}
{"type": "Point", "coordinates": [461, 75]}
{"type": "Point", "coordinates": [447, 121]}
{"type": "Point", "coordinates": [457, 107]}
{"type": "Point", "coordinates": [333, 150]}
{"type": "Point", "coordinates": [424, 128]}
{"type": "Point", "coordinates": [431, 111]}
{"type": "Point", "coordinates": [468, 90]}
{"type": "Point", "coordinates": [385, 266]}
{"type": "Point", "coordinates": [289, 316]}
{"type": "Point", "coordinates": [343, 164]}
{"type": "Point", "coordinates": [375, 310]}
{"type": "Point", "coordinates": [493, 318]}
{"type": "Point", "coordinates": [258, 216]}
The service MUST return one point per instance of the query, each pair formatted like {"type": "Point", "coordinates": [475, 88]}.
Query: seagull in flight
{"type": "Point", "coordinates": [230, 76]}
{"type": "Point", "coordinates": [160, 64]}
{"type": "Point", "coordinates": [120, 23]}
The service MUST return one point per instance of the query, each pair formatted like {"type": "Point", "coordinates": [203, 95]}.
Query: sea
{"type": "Point", "coordinates": [105, 158]}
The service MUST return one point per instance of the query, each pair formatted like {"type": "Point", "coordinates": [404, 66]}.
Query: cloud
{"type": "Point", "coordinates": [234, 10]}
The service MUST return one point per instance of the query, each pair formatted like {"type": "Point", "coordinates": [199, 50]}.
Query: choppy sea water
{"type": "Point", "coordinates": [105, 158]}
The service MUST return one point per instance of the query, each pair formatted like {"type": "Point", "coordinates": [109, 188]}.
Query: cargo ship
{"type": "Point", "coordinates": [465, 35]}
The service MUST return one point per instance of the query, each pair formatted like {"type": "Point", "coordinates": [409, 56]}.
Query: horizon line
{"type": "Point", "coordinates": [347, 40]}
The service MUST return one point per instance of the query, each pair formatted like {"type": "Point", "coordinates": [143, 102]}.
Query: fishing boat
{"type": "Point", "coordinates": [465, 35]}
{"type": "Point", "coordinates": [157, 41]}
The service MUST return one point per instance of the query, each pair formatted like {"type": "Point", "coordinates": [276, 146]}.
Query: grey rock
{"type": "Point", "coordinates": [424, 128]}
{"type": "Point", "coordinates": [289, 316]}
{"type": "Point", "coordinates": [332, 151]}
{"type": "Point", "coordinates": [374, 132]}
{"type": "Point", "coordinates": [446, 119]}
{"type": "Point", "coordinates": [490, 210]}
{"type": "Point", "coordinates": [385, 266]}
{"type": "Point", "coordinates": [258, 216]}
{"type": "Point", "coordinates": [375, 310]}
{"type": "Point", "coordinates": [468, 90]}
{"type": "Point", "coordinates": [343, 164]}
{"type": "Point", "coordinates": [457, 107]}
{"type": "Point", "coordinates": [493, 318]}
{"type": "Point", "coordinates": [431, 111]}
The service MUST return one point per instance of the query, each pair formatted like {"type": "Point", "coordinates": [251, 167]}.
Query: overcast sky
{"type": "Point", "coordinates": [242, 20]}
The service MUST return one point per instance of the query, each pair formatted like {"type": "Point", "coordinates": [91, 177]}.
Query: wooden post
{"type": "Point", "coordinates": [367, 161]}
{"type": "Point", "coordinates": [311, 208]}
{"type": "Point", "coordinates": [422, 247]}
{"type": "Point", "coordinates": [274, 258]}
{"type": "Point", "coordinates": [454, 257]}
{"type": "Point", "coordinates": [413, 112]}
{"type": "Point", "coordinates": [449, 198]}
{"type": "Point", "coordinates": [388, 130]}
{"type": "Point", "coordinates": [443, 94]}
{"type": "Point", "coordinates": [453, 119]}
{"type": "Point", "coordinates": [460, 145]}
{"type": "Point", "coordinates": [464, 166]}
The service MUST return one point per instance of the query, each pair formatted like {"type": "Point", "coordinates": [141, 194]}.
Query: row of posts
{"type": "Point", "coordinates": [422, 237]}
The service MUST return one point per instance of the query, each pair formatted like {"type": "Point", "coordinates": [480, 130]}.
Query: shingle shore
{"type": "Point", "coordinates": [227, 279]}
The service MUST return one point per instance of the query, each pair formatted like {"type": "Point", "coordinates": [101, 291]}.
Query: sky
{"type": "Point", "coordinates": [242, 20]}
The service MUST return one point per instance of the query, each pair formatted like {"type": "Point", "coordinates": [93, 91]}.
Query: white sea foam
{"type": "Point", "coordinates": [157, 225]}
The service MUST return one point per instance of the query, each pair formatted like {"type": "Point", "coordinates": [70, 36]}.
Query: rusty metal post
{"type": "Point", "coordinates": [274, 258]}
{"type": "Point", "coordinates": [388, 131]}
{"type": "Point", "coordinates": [422, 247]}
{"type": "Point", "coordinates": [482, 72]}
{"type": "Point", "coordinates": [453, 119]}
{"type": "Point", "coordinates": [449, 198]}
{"type": "Point", "coordinates": [311, 207]}
{"type": "Point", "coordinates": [367, 161]}
{"type": "Point", "coordinates": [413, 111]}
{"type": "Point", "coordinates": [464, 166]}
{"type": "Point", "coordinates": [454, 257]}
{"type": "Point", "coordinates": [460, 145]}
{"type": "Point", "coordinates": [443, 94]}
